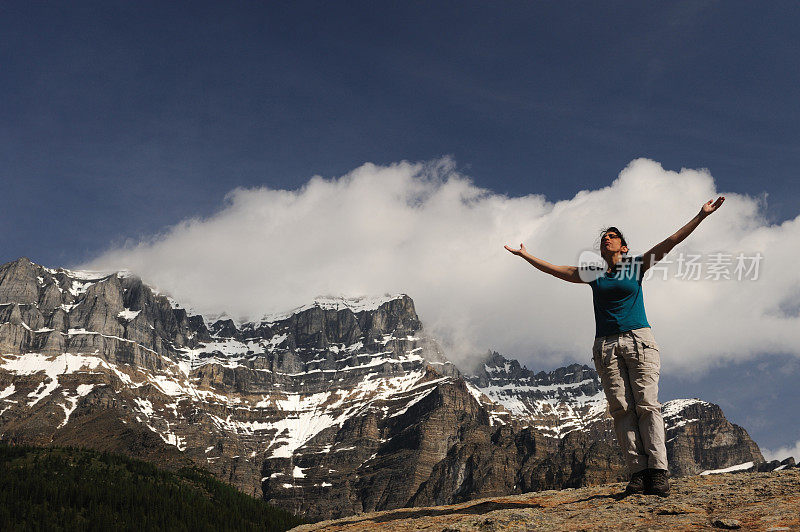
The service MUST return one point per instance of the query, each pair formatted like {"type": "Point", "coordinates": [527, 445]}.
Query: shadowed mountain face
{"type": "Point", "coordinates": [339, 407]}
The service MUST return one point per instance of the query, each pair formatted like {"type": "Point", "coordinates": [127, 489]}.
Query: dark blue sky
{"type": "Point", "coordinates": [120, 118]}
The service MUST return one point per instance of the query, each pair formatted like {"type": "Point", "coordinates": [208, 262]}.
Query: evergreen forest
{"type": "Point", "coordinates": [57, 488]}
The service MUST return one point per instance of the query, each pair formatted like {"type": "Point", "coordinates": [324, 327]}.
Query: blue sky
{"type": "Point", "coordinates": [121, 119]}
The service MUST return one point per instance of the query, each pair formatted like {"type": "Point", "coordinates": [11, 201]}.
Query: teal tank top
{"type": "Point", "coordinates": [618, 299]}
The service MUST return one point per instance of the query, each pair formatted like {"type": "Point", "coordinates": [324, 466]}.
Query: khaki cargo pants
{"type": "Point", "coordinates": [629, 365]}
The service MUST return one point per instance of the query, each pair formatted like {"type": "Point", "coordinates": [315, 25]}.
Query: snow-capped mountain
{"type": "Point", "coordinates": [337, 407]}
{"type": "Point", "coordinates": [569, 401]}
{"type": "Point", "coordinates": [556, 403]}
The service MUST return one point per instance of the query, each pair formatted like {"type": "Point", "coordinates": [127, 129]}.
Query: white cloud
{"type": "Point", "coordinates": [782, 453]}
{"type": "Point", "coordinates": [425, 230]}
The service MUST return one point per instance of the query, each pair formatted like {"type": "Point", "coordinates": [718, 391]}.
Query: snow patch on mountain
{"type": "Point", "coordinates": [32, 363]}
{"type": "Point", "coordinates": [731, 469]}
{"type": "Point", "coordinates": [128, 314]}
{"type": "Point", "coordinates": [8, 391]}
{"type": "Point", "coordinates": [676, 406]}
{"type": "Point", "coordinates": [72, 402]}
{"type": "Point", "coordinates": [674, 412]}
{"type": "Point", "coordinates": [355, 304]}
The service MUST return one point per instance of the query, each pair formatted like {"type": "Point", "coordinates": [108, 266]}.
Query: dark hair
{"type": "Point", "coordinates": [614, 229]}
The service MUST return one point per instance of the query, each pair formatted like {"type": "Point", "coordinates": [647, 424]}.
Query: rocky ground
{"type": "Point", "coordinates": [746, 501]}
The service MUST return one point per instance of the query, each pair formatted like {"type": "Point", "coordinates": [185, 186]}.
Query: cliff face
{"type": "Point", "coordinates": [699, 437]}
{"type": "Point", "coordinates": [572, 441]}
{"type": "Point", "coordinates": [336, 408]}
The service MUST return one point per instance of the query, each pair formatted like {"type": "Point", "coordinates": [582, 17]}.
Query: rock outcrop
{"type": "Point", "coordinates": [750, 501]}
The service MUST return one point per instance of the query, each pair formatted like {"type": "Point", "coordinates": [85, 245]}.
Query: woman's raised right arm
{"type": "Point", "coordinates": [567, 273]}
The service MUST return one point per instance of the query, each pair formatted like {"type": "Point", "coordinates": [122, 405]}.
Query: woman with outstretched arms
{"type": "Point", "coordinates": [625, 352]}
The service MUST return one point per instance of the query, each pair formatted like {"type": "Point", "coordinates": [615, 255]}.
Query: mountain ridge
{"type": "Point", "coordinates": [325, 412]}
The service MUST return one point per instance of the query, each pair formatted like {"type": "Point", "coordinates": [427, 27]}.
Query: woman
{"type": "Point", "coordinates": [625, 353]}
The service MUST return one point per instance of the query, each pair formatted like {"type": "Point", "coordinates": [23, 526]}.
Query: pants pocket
{"type": "Point", "coordinates": [644, 336]}
{"type": "Point", "coordinates": [647, 349]}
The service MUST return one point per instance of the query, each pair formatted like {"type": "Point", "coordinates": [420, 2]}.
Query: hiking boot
{"type": "Point", "coordinates": [636, 485]}
{"type": "Point", "coordinates": [658, 483]}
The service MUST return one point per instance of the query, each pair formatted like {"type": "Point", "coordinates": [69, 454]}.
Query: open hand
{"type": "Point", "coordinates": [711, 206]}
{"type": "Point", "coordinates": [517, 252]}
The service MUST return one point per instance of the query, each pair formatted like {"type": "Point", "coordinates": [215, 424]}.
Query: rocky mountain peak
{"type": "Point", "coordinates": [557, 402]}
{"type": "Point", "coordinates": [19, 282]}
{"type": "Point", "coordinates": [498, 370]}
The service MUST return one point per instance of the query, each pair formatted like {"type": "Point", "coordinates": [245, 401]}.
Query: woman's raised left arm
{"type": "Point", "coordinates": [658, 251]}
